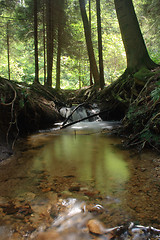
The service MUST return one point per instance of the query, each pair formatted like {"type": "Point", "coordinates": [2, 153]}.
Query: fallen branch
{"type": "Point", "coordinates": [83, 119]}
{"type": "Point", "coordinates": [80, 105]}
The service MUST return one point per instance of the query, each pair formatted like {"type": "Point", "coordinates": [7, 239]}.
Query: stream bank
{"type": "Point", "coordinates": [133, 98]}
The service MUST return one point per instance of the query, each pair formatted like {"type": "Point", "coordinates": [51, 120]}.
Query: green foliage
{"type": "Point", "coordinates": [21, 103]}
{"type": "Point", "coordinates": [149, 19]}
{"type": "Point", "coordinates": [134, 112]}
{"type": "Point", "coordinates": [148, 136]}
{"type": "Point", "coordinates": [155, 94]}
{"type": "Point", "coordinates": [20, 17]}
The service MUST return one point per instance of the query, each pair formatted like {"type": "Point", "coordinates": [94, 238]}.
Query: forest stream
{"type": "Point", "coordinates": [76, 183]}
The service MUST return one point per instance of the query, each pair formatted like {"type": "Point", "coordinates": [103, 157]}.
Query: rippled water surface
{"type": "Point", "coordinates": [82, 162]}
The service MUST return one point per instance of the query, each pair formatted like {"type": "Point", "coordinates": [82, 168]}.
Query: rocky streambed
{"type": "Point", "coordinates": [78, 184]}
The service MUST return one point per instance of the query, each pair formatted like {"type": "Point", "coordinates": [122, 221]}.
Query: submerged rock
{"type": "Point", "coordinates": [95, 226]}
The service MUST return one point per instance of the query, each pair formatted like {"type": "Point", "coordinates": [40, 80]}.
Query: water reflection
{"type": "Point", "coordinates": [89, 156]}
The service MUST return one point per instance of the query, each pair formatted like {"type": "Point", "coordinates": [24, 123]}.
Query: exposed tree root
{"type": "Point", "coordinates": [142, 121]}
{"type": "Point", "coordinates": [25, 109]}
{"type": "Point", "coordinates": [133, 98]}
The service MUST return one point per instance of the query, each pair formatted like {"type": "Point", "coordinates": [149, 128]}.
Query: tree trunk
{"type": "Point", "coordinates": [89, 44]}
{"type": "Point", "coordinates": [44, 41]}
{"type": "Point", "coordinates": [91, 81]}
{"type": "Point", "coordinates": [59, 50]}
{"type": "Point", "coordinates": [136, 51]}
{"type": "Point", "coordinates": [79, 70]}
{"type": "Point", "coordinates": [36, 80]}
{"type": "Point", "coordinates": [58, 67]}
{"type": "Point", "coordinates": [101, 68]}
{"type": "Point", "coordinates": [50, 34]}
{"type": "Point", "coordinates": [8, 52]}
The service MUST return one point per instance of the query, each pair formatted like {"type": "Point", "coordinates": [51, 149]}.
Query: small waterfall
{"type": "Point", "coordinates": [80, 113]}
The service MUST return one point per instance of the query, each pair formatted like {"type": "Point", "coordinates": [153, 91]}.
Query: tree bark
{"type": "Point", "coordinates": [89, 44]}
{"type": "Point", "coordinates": [135, 48]}
{"type": "Point", "coordinates": [36, 80]}
{"type": "Point", "coordinates": [79, 70]}
{"type": "Point", "coordinates": [8, 52]}
{"type": "Point", "coordinates": [59, 50]}
{"type": "Point", "coordinates": [44, 41]}
{"type": "Point", "coordinates": [90, 18]}
{"type": "Point", "coordinates": [58, 67]}
{"type": "Point", "coordinates": [101, 68]}
{"type": "Point", "coordinates": [50, 38]}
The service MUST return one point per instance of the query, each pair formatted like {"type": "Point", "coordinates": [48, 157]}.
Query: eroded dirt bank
{"type": "Point", "coordinates": [24, 109]}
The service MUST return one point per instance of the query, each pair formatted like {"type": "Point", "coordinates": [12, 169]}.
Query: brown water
{"type": "Point", "coordinates": [83, 163]}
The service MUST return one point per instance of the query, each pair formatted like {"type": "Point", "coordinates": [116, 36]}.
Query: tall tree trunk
{"type": "Point", "coordinates": [58, 67]}
{"type": "Point", "coordinates": [89, 44]}
{"type": "Point", "coordinates": [136, 51]}
{"type": "Point", "coordinates": [79, 70]}
{"type": "Point", "coordinates": [101, 68]}
{"type": "Point", "coordinates": [36, 80]}
{"type": "Point", "coordinates": [50, 37]}
{"type": "Point", "coordinates": [91, 81]}
{"type": "Point", "coordinates": [8, 52]}
{"type": "Point", "coordinates": [44, 41]}
{"type": "Point", "coordinates": [59, 50]}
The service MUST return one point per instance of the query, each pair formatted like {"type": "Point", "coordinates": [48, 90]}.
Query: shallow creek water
{"type": "Point", "coordinates": [61, 179]}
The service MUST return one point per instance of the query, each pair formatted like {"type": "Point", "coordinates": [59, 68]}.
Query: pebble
{"type": "Point", "coordinates": [95, 226]}
{"type": "Point", "coordinates": [74, 189]}
{"type": "Point", "coordinates": [50, 235]}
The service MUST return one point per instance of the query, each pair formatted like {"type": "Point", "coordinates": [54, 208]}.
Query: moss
{"type": "Point", "coordinates": [142, 75]}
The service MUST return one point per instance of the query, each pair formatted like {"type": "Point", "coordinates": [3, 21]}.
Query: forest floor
{"type": "Point", "coordinates": [133, 99]}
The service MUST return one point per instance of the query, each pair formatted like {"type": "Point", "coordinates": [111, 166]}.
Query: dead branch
{"type": "Point", "coordinates": [83, 119]}
{"type": "Point", "coordinates": [65, 121]}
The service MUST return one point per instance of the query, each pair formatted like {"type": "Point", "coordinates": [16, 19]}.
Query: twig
{"type": "Point", "coordinates": [12, 111]}
{"type": "Point", "coordinates": [16, 134]}
{"type": "Point", "coordinates": [154, 147]}
{"type": "Point", "coordinates": [142, 89]}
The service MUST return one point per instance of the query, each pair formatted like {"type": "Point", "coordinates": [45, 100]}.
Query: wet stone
{"type": "Point", "coordinates": [50, 235]}
{"type": "Point", "coordinates": [28, 196]}
{"type": "Point", "coordinates": [95, 226]}
{"type": "Point", "coordinates": [74, 189]}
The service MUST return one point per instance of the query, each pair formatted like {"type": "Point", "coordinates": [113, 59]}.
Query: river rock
{"type": "Point", "coordinates": [27, 196]}
{"type": "Point", "coordinates": [49, 235]}
{"type": "Point", "coordinates": [95, 226]}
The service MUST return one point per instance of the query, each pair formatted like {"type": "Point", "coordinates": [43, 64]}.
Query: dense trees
{"type": "Point", "coordinates": [36, 42]}
{"type": "Point", "coordinates": [50, 26]}
{"type": "Point", "coordinates": [100, 50]}
{"type": "Point", "coordinates": [60, 43]}
{"type": "Point", "coordinates": [89, 44]}
{"type": "Point", "coordinates": [73, 58]}
{"type": "Point", "coordinates": [60, 30]}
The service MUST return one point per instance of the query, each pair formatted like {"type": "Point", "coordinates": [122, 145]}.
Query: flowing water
{"type": "Point", "coordinates": [61, 179]}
